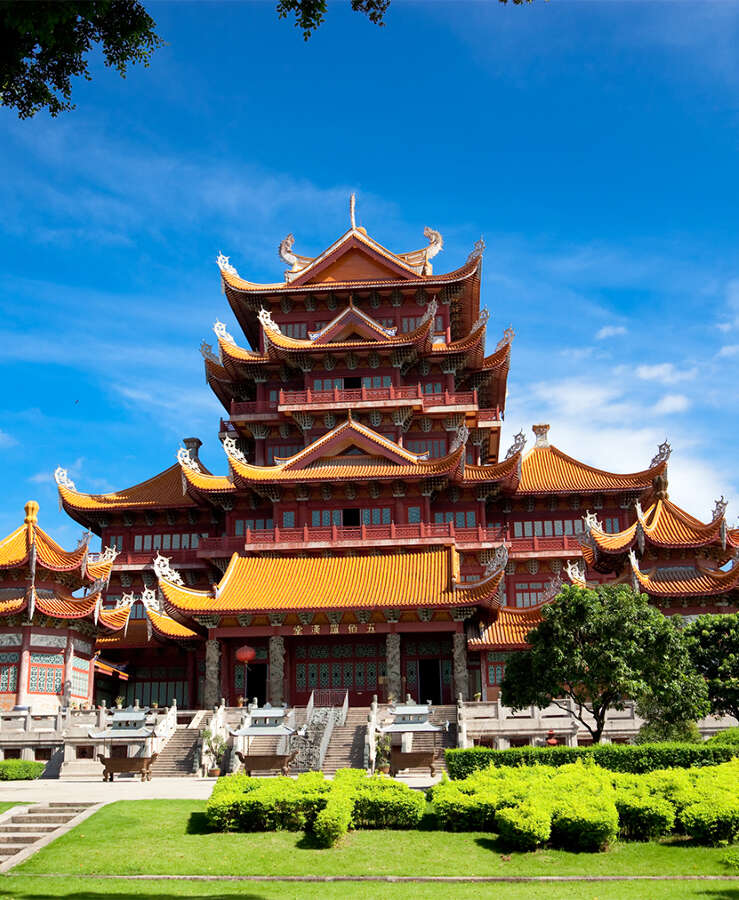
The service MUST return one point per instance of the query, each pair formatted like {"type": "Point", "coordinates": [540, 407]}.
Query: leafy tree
{"type": "Point", "coordinates": [598, 648]}
{"type": "Point", "coordinates": [45, 43]}
{"type": "Point", "coordinates": [309, 14]}
{"type": "Point", "coordinates": [714, 647]}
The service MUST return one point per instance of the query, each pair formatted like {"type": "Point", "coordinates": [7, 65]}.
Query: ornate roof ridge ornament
{"type": "Point", "coordinates": [206, 351]}
{"type": "Point", "coordinates": [222, 332]}
{"type": "Point", "coordinates": [268, 323]}
{"type": "Point", "coordinates": [62, 479]}
{"type": "Point", "coordinates": [634, 563]}
{"type": "Point", "coordinates": [163, 569]}
{"type": "Point", "coordinates": [477, 250]}
{"type": "Point", "coordinates": [224, 264]}
{"type": "Point", "coordinates": [591, 521]}
{"type": "Point", "coordinates": [353, 211]}
{"type": "Point", "coordinates": [461, 436]}
{"type": "Point", "coordinates": [285, 252]}
{"type": "Point", "coordinates": [719, 508]}
{"type": "Point", "coordinates": [497, 562]}
{"type": "Point", "coordinates": [436, 243]}
{"type": "Point", "coordinates": [482, 319]}
{"type": "Point", "coordinates": [519, 442]}
{"type": "Point", "coordinates": [552, 588]}
{"type": "Point", "coordinates": [107, 555]}
{"type": "Point", "coordinates": [507, 338]}
{"type": "Point", "coordinates": [430, 312]}
{"type": "Point", "coordinates": [663, 454]}
{"type": "Point", "coordinates": [542, 435]}
{"type": "Point", "coordinates": [232, 451]}
{"type": "Point", "coordinates": [576, 572]}
{"type": "Point", "coordinates": [185, 459]}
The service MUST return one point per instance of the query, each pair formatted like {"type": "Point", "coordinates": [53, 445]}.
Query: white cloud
{"type": "Point", "coordinates": [7, 440]}
{"type": "Point", "coordinates": [671, 403]}
{"type": "Point", "coordinates": [42, 477]}
{"type": "Point", "coordinates": [729, 350]}
{"type": "Point", "coordinates": [610, 331]}
{"type": "Point", "coordinates": [667, 373]}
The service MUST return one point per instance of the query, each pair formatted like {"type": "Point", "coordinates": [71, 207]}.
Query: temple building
{"type": "Point", "coordinates": [368, 533]}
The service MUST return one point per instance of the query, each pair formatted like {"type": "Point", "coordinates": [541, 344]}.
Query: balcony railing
{"type": "Point", "coordinates": [412, 396]}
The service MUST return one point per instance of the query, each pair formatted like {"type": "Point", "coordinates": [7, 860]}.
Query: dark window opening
{"type": "Point", "coordinates": [352, 383]}
{"type": "Point", "coordinates": [350, 518]}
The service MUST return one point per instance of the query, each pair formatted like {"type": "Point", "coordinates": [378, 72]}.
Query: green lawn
{"type": "Point", "coordinates": [161, 837]}
{"type": "Point", "coordinates": [22, 888]}
{"type": "Point", "coordinates": [4, 806]}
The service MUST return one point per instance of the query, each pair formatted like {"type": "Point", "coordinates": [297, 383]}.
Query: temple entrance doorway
{"type": "Point", "coordinates": [429, 681]}
{"type": "Point", "coordinates": [256, 683]}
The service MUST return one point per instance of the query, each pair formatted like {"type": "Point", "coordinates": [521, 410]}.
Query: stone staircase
{"type": "Point", "coordinates": [177, 757]}
{"type": "Point", "coordinates": [346, 746]}
{"type": "Point", "coordinates": [22, 830]}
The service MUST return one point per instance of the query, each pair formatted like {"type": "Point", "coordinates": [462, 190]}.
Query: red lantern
{"type": "Point", "coordinates": [245, 654]}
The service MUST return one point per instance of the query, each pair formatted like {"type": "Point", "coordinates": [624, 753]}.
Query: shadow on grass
{"type": "Point", "coordinates": [198, 824]}
{"type": "Point", "coordinates": [720, 893]}
{"type": "Point", "coordinates": [494, 844]}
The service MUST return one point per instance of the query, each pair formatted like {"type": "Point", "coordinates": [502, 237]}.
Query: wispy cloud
{"type": "Point", "coordinates": [667, 373]}
{"type": "Point", "coordinates": [671, 403]}
{"type": "Point", "coordinates": [729, 350]}
{"type": "Point", "coordinates": [610, 331]}
{"type": "Point", "coordinates": [7, 440]}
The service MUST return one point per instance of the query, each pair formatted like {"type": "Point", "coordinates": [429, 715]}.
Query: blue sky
{"type": "Point", "coordinates": [593, 144]}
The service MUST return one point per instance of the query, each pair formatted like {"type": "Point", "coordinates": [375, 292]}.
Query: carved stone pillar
{"type": "Point", "coordinates": [392, 665]}
{"type": "Point", "coordinates": [276, 669]}
{"type": "Point", "coordinates": [212, 686]}
{"type": "Point", "coordinates": [461, 677]}
{"type": "Point", "coordinates": [21, 697]}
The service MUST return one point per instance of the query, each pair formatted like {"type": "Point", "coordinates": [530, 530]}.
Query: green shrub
{"type": "Point", "coordinates": [524, 827]}
{"type": "Point", "coordinates": [459, 811]}
{"type": "Point", "coordinates": [260, 804]}
{"type": "Point", "coordinates": [644, 818]}
{"type": "Point", "coordinates": [615, 757]}
{"type": "Point", "coordinates": [713, 821]}
{"type": "Point", "coordinates": [383, 803]}
{"type": "Point", "coordinates": [20, 769]}
{"type": "Point", "coordinates": [580, 826]}
{"type": "Point", "coordinates": [333, 822]}
{"type": "Point", "coordinates": [727, 736]}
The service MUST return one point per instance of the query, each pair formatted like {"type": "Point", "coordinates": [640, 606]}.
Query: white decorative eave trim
{"type": "Point", "coordinates": [222, 333]}
{"type": "Point", "coordinates": [663, 454]}
{"type": "Point", "coordinates": [62, 479]}
{"type": "Point", "coordinates": [232, 451]}
{"type": "Point", "coordinates": [224, 264]}
{"type": "Point", "coordinates": [186, 461]}
{"type": "Point", "coordinates": [576, 572]}
{"type": "Point", "coordinates": [164, 570]}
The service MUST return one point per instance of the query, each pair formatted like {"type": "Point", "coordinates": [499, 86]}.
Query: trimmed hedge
{"type": "Point", "coordinates": [580, 825]}
{"type": "Point", "coordinates": [636, 758]}
{"type": "Point", "coordinates": [728, 736]}
{"type": "Point", "coordinates": [644, 818]}
{"type": "Point", "coordinates": [714, 821]}
{"type": "Point", "coordinates": [524, 827]}
{"type": "Point", "coordinates": [328, 809]}
{"type": "Point", "coordinates": [20, 769]}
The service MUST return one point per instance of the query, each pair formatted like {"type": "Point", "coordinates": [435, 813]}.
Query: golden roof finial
{"type": "Point", "coordinates": [31, 509]}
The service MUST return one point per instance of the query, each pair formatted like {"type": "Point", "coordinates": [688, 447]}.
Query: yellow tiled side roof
{"type": "Point", "coordinates": [413, 579]}
{"type": "Point", "coordinates": [167, 627]}
{"type": "Point", "coordinates": [547, 469]}
{"type": "Point", "coordinates": [61, 604]}
{"type": "Point", "coordinates": [664, 524]}
{"type": "Point", "coordinates": [115, 619]}
{"type": "Point", "coordinates": [508, 631]}
{"type": "Point", "coordinates": [164, 489]}
{"type": "Point", "coordinates": [687, 581]}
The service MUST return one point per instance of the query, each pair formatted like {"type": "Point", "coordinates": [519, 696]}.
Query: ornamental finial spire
{"type": "Point", "coordinates": [31, 510]}
{"type": "Point", "coordinates": [352, 211]}
{"type": "Point", "coordinates": [542, 435]}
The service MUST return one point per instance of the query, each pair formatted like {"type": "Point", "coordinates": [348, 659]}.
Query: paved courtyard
{"type": "Point", "coordinates": [89, 791]}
